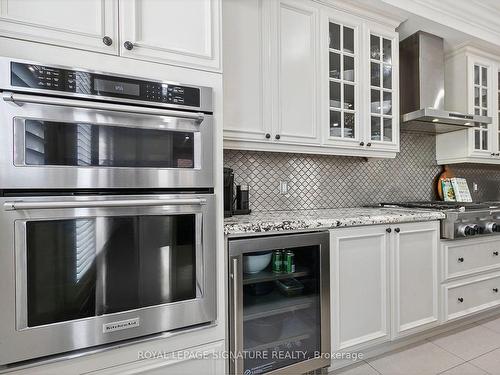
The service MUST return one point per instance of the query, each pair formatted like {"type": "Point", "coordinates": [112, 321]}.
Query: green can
{"type": "Point", "coordinates": [289, 262]}
{"type": "Point", "coordinates": [277, 261]}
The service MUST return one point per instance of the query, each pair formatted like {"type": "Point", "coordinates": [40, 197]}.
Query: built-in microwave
{"type": "Point", "coordinates": [91, 130]}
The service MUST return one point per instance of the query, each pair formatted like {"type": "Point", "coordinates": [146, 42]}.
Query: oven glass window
{"type": "Point", "coordinates": [73, 144]}
{"type": "Point", "coordinates": [88, 267]}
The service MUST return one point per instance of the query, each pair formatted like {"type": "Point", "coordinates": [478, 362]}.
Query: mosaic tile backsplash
{"type": "Point", "coordinates": [323, 181]}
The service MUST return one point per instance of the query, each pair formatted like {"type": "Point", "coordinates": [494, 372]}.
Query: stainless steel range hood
{"type": "Point", "coordinates": [422, 88]}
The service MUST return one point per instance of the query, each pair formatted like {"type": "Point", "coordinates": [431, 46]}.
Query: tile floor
{"type": "Point", "coordinates": [471, 350]}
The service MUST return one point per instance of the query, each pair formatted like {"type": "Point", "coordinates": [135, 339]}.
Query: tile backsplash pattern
{"type": "Point", "coordinates": [323, 181]}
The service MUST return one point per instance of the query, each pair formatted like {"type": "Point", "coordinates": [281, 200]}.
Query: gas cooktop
{"type": "Point", "coordinates": [463, 219]}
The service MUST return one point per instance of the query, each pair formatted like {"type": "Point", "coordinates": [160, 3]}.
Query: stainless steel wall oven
{"type": "Point", "coordinates": [107, 209]}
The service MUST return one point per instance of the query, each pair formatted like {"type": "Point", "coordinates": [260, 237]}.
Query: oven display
{"type": "Point", "coordinates": [116, 87]}
{"type": "Point", "coordinates": [95, 84]}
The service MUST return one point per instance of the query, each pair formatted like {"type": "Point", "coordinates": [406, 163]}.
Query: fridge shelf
{"type": "Point", "coordinates": [267, 275]}
{"type": "Point", "coordinates": [275, 303]}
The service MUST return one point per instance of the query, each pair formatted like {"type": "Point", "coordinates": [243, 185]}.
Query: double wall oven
{"type": "Point", "coordinates": [107, 209]}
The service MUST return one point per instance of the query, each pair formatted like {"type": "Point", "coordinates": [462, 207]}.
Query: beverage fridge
{"type": "Point", "coordinates": [279, 303]}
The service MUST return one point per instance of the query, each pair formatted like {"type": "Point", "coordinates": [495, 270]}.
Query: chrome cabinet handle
{"type": "Point", "coordinates": [397, 230]}
{"type": "Point", "coordinates": [460, 260]}
{"type": "Point", "coordinates": [460, 299]}
{"type": "Point", "coordinates": [495, 290]}
{"type": "Point", "coordinates": [23, 98]}
{"type": "Point", "coordinates": [495, 253]}
{"type": "Point", "coordinates": [107, 40]}
{"type": "Point", "coordinates": [13, 206]}
{"type": "Point", "coordinates": [388, 230]}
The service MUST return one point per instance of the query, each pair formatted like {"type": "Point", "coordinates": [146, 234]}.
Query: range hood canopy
{"type": "Point", "coordinates": [422, 88]}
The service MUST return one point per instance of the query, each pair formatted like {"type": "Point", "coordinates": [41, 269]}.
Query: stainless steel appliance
{"type": "Point", "coordinates": [462, 219]}
{"type": "Point", "coordinates": [421, 71]}
{"type": "Point", "coordinates": [107, 209]}
{"type": "Point", "coordinates": [280, 321]}
{"type": "Point", "coordinates": [65, 128]}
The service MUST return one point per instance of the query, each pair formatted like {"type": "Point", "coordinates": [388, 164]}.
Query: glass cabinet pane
{"type": "Point", "coordinates": [334, 65]}
{"type": "Point", "coordinates": [348, 68]}
{"type": "Point", "coordinates": [349, 97]}
{"type": "Point", "coordinates": [335, 128]}
{"type": "Point", "coordinates": [375, 101]}
{"type": "Point", "coordinates": [375, 47]}
{"type": "Point", "coordinates": [348, 39]}
{"type": "Point", "coordinates": [387, 129]}
{"type": "Point", "coordinates": [335, 94]}
{"type": "Point", "coordinates": [375, 128]}
{"type": "Point", "coordinates": [334, 36]}
{"type": "Point", "coordinates": [375, 74]}
{"type": "Point", "coordinates": [387, 51]}
{"type": "Point", "coordinates": [484, 76]}
{"type": "Point", "coordinates": [349, 122]}
{"type": "Point", "coordinates": [387, 103]}
{"type": "Point", "coordinates": [476, 74]}
{"type": "Point", "coordinates": [387, 73]}
{"type": "Point", "coordinates": [281, 309]}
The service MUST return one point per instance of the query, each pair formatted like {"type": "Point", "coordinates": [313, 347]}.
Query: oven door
{"type": "Point", "coordinates": [85, 271]}
{"type": "Point", "coordinates": [56, 143]}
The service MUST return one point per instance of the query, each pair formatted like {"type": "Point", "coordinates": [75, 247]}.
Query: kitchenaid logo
{"type": "Point", "coordinates": [122, 324]}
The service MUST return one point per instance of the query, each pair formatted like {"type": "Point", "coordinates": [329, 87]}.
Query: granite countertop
{"type": "Point", "coordinates": [276, 221]}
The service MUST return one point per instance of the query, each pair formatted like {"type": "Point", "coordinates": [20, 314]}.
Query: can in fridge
{"type": "Point", "coordinates": [289, 262]}
{"type": "Point", "coordinates": [277, 261]}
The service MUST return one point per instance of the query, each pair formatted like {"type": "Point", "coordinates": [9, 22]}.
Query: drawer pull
{"type": "Point", "coordinates": [460, 260]}
{"type": "Point", "coordinates": [388, 230]}
{"type": "Point", "coordinates": [495, 253]}
{"type": "Point", "coordinates": [460, 299]}
{"type": "Point", "coordinates": [495, 290]}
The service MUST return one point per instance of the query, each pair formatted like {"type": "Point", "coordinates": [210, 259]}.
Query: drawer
{"type": "Point", "coordinates": [464, 298]}
{"type": "Point", "coordinates": [467, 257]}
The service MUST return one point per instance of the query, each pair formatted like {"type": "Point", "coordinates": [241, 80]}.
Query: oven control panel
{"type": "Point", "coordinates": [101, 85]}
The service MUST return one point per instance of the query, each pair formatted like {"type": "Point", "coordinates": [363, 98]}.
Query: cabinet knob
{"type": "Point", "coordinates": [388, 230]}
{"type": "Point", "coordinates": [497, 154]}
{"type": "Point", "coordinates": [493, 154]}
{"type": "Point", "coordinates": [495, 290]}
{"type": "Point", "coordinates": [495, 253]}
{"type": "Point", "coordinates": [268, 135]}
{"type": "Point", "coordinates": [460, 299]}
{"type": "Point", "coordinates": [397, 230]}
{"type": "Point", "coordinates": [361, 143]}
{"type": "Point", "coordinates": [460, 260]}
{"type": "Point", "coordinates": [277, 136]}
{"type": "Point", "coordinates": [368, 144]}
{"type": "Point", "coordinates": [107, 40]}
{"type": "Point", "coordinates": [128, 45]}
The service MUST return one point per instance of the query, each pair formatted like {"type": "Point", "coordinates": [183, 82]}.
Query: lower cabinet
{"type": "Point", "coordinates": [414, 277]}
{"type": "Point", "coordinates": [384, 282]}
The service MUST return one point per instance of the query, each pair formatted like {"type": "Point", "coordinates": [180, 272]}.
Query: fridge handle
{"type": "Point", "coordinates": [237, 319]}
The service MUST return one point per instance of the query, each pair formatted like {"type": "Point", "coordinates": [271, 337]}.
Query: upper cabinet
{"type": "Point", "coordinates": [84, 24]}
{"type": "Point", "coordinates": [305, 77]}
{"type": "Point", "coordinates": [476, 74]}
{"type": "Point", "coordinates": [177, 32]}
{"type": "Point", "coordinates": [172, 32]}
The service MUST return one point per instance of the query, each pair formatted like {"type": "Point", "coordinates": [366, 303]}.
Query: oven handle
{"type": "Point", "coordinates": [13, 206]}
{"type": "Point", "coordinates": [23, 98]}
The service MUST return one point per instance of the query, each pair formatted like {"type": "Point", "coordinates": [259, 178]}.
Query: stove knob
{"type": "Point", "coordinates": [491, 227]}
{"type": "Point", "coordinates": [466, 230]}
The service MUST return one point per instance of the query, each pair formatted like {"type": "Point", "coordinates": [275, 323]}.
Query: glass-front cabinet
{"type": "Point", "coordinates": [362, 85]}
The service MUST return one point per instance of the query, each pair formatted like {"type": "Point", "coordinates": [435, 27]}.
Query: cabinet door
{"type": "Point", "coordinates": [382, 80]}
{"type": "Point", "coordinates": [359, 292]}
{"type": "Point", "coordinates": [245, 64]}
{"type": "Point", "coordinates": [481, 94]}
{"type": "Point", "coordinates": [340, 46]}
{"type": "Point", "coordinates": [414, 275]}
{"type": "Point", "coordinates": [176, 32]}
{"type": "Point", "coordinates": [296, 76]}
{"type": "Point", "coordinates": [79, 24]}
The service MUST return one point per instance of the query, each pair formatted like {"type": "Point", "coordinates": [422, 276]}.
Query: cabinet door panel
{"type": "Point", "coordinates": [69, 23]}
{"type": "Point", "coordinates": [297, 72]}
{"type": "Point", "coordinates": [359, 299]}
{"type": "Point", "coordinates": [414, 277]}
{"type": "Point", "coordinates": [175, 31]}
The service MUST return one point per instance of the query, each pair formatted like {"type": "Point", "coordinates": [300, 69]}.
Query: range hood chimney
{"type": "Point", "coordinates": [421, 58]}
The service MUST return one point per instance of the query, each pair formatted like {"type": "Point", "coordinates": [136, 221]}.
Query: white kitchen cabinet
{"type": "Point", "coordinates": [384, 283]}
{"type": "Point", "coordinates": [474, 73]}
{"type": "Point", "coordinates": [359, 268]}
{"type": "Point", "coordinates": [79, 24]}
{"type": "Point", "coordinates": [298, 79]}
{"type": "Point", "coordinates": [414, 277]}
{"type": "Point", "coordinates": [175, 32]}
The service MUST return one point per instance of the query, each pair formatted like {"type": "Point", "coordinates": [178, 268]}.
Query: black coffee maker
{"type": "Point", "coordinates": [235, 204]}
